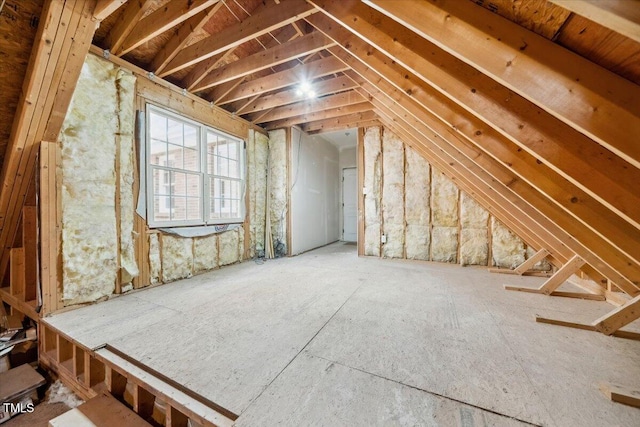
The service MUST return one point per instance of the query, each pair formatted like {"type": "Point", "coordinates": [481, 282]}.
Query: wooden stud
{"type": "Point", "coordinates": [531, 262]}
{"type": "Point", "coordinates": [104, 8]}
{"type": "Point", "coordinates": [361, 223]}
{"type": "Point", "coordinates": [30, 245]}
{"type": "Point", "coordinates": [134, 10]}
{"type": "Point", "coordinates": [309, 107]}
{"type": "Point", "coordinates": [320, 115]}
{"type": "Point", "coordinates": [17, 270]}
{"type": "Point", "coordinates": [142, 402]}
{"type": "Point", "coordinates": [176, 418]}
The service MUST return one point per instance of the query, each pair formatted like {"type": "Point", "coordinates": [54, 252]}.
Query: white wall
{"type": "Point", "coordinates": [348, 159]}
{"type": "Point", "coordinates": [315, 193]}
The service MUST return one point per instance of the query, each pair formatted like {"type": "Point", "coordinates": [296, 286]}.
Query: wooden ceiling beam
{"type": "Point", "coordinates": [134, 10]}
{"type": "Point", "coordinates": [279, 80]}
{"type": "Point", "coordinates": [104, 8]}
{"type": "Point", "coordinates": [63, 39]}
{"type": "Point", "coordinates": [268, 18]}
{"type": "Point", "coordinates": [589, 98]}
{"type": "Point", "coordinates": [290, 96]}
{"type": "Point", "coordinates": [576, 157]}
{"type": "Point", "coordinates": [366, 118]}
{"type": "Point", "coordinates": [182, 37]}
{"type": "Point", "coordinates": [620, 16]}
{"type": "Point", "coordinates": [163, 19]}
{"type": "Point", "coordinates": [320, 115]}
{"type": "Point", "coordinates": [201, 69]}
{"type": "Point", "coordinates": [309, 106]}
{"type": "Point", "coordinates": [296, 48]}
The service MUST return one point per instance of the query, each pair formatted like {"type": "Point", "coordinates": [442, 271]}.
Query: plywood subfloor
{"type": "Point", "coordinates": [327, 338]}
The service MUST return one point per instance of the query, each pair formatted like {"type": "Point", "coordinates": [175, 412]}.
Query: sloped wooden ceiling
{"type": "Point", "coordinates": [530, 106]}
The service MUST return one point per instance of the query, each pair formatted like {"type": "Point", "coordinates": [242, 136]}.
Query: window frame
{"type": "Point", "coordinates": [204, 176]}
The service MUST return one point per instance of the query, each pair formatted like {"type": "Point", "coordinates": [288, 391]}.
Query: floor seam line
{"type": "Point", "coordinates": [433, 393]}
{"type": "Point", "coordinates": [300, 352]}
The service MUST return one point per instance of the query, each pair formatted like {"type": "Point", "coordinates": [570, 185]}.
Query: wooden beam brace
{"type": "Point", "coordinates": [620, 16]}
{"type": "Point", "coordinates": [321, 115]}
{"type": "Point", "coordinates": [619, 317]}
{"type": "Point", "coordinates": [311, 106]}
{"type": "Point", "coordinates": [309, 71]}
{"type": "Point", "coordinates": [603, 105]}
{"type": "Point", "coordinates": [163, 19]}
{"type": "Point", "coordinates": [290, 96]}
{"type": "Point", "coordinates": [554, 282]}
{"type": "Point", "coordinates": [343, 122]}
{"type": "Point", "coordinates": [104, 8]}
{"type": "Point", "coordinates": [182, 36]}
{"type": "Point", "coordinates": [296, 48]}
{"type": "Point", "coordinates": [267, 19]}
{"type": "Point", "coordinates": [624, 395]}
{"type": "Point", "coordinates": [134, 10]}
{"type": "Point", "coordinates": [531, 262]}
{"type": "Point", "coordinates": [587, 327]}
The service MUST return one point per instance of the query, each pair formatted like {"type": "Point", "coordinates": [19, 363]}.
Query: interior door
{"type": "Point", "coordinates": [350, 204]}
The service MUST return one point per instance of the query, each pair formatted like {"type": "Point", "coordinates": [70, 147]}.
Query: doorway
{"type": "Point", "coordinates": [350, 204]}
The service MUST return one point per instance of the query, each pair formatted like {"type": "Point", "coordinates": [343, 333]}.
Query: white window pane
{"type": "Point", "coordinates": [194, 210]}
{"type": "Point", "coordinates": [174, 129]}
{"type": "Point", "coordinates": [233, 149]}
{"type": "Point", "coordinates": [193, 186]}
{"type": "Point", "coordinates": [234, 169]}
{"type": "Point", "coordinates": [235, 189]}
{"type": "Point", "coordinates": [179, 183]}
{"type": "Point", "coordinates": [158, 151]}
{"type": "Point", "coordinates": [234, 206]}
{"type": "Point", "coordinates": [222, 148]}
{"type": "Point", "coordinates": [179, 208]}
{"type": "Point", "coordinates": [157, 126]}
{"type": "Point", "coordinates": [190, 136]}
{"type": "Point", "coordinates": [161, 208]}
{"type": "Point", "coordinates": [191, 159]}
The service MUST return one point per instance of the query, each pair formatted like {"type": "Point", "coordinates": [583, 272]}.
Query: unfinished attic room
{"type": "Point", "coordinates": [320, 213]}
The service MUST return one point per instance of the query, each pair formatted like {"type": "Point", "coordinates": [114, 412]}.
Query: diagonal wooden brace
{"type": "Point", "coordinates": [554, 282]}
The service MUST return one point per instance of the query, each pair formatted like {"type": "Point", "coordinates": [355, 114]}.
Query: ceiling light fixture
{"type": "Point", "coordinates": [304, 89]}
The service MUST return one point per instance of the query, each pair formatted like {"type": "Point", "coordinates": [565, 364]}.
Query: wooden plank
{"type": "Point", "coordinates": [161, 20]}
{"type": "Point", "coordinates": [267, 19]}
{"type": "Point", "coordinates": [561, 276]}
{"type": "Point", "coordinates": [321, 115]}
{"type": "Point", "coordinates": [102, 410]}
{"type": "Point", "coordinates": [621, 16]}
{"type": "Point", "coordinates": [587, 327]}
{"type": "Point", "coordinates": [182, 36]}
{"type": "Point", "coordinates": [620, 394]}
{"type": "Point", "coordinates": [28, 308]}
{"type": "Point", "coordinates": [30, 245]}
{"type": "Point", "coordinates": [578, 295]}
{"type": "Point", "coordinates": [17, 280]}
{"type": "Point", "coordinates": [531, 262]}
{"type": "Point", "coordinates": [48, 223]}
{"type": "Point", "coordinates": [344, 123]}
{"type": "Point", "coordinates": [309, 71]}
{"type": "Point", "coordinates": [19, 381]}
{"type": "Point", "coordinates": [134, 10]}
{"type": "Point", "coordinates": [621, 316]}
{"type": "Point", "coordinates": [104, 8]}
{"type": "Point", "coordinates": [509, 54]}
{"type": "Point", "coordinates": [361, 224]}
{"type": "Point", "coordinates": [296, 48]}
{"type": "Point", "coordinates": [309, 106]}
{"type": "Point", "coordinates": [513, 272]}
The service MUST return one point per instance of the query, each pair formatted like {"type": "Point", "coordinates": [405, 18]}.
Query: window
{"type": "Point", "coordinates": [194, 172]}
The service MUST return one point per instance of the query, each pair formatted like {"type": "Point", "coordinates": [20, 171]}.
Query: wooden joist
{"type": "Point", "coordinates": [104, 8]}
{"type": "Point", "coordinates": [133, 11]}
{"type": "Point", "coordinates": [161, 20]}
{"type": "Point", "coordinates": [364, 119]}
{"type": "Point", "coordinates": [321, 115]}
{"type": "Point", "coordinates": [309, 71]}
{"type": "Point", "coordinates": [620, 394]}
{"type": "Point", "coordinates": [267, 19]}
{"type": "Point", "coordinates": [306, 45]}
{"type": "Point", "coordinates": [555, 281]}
